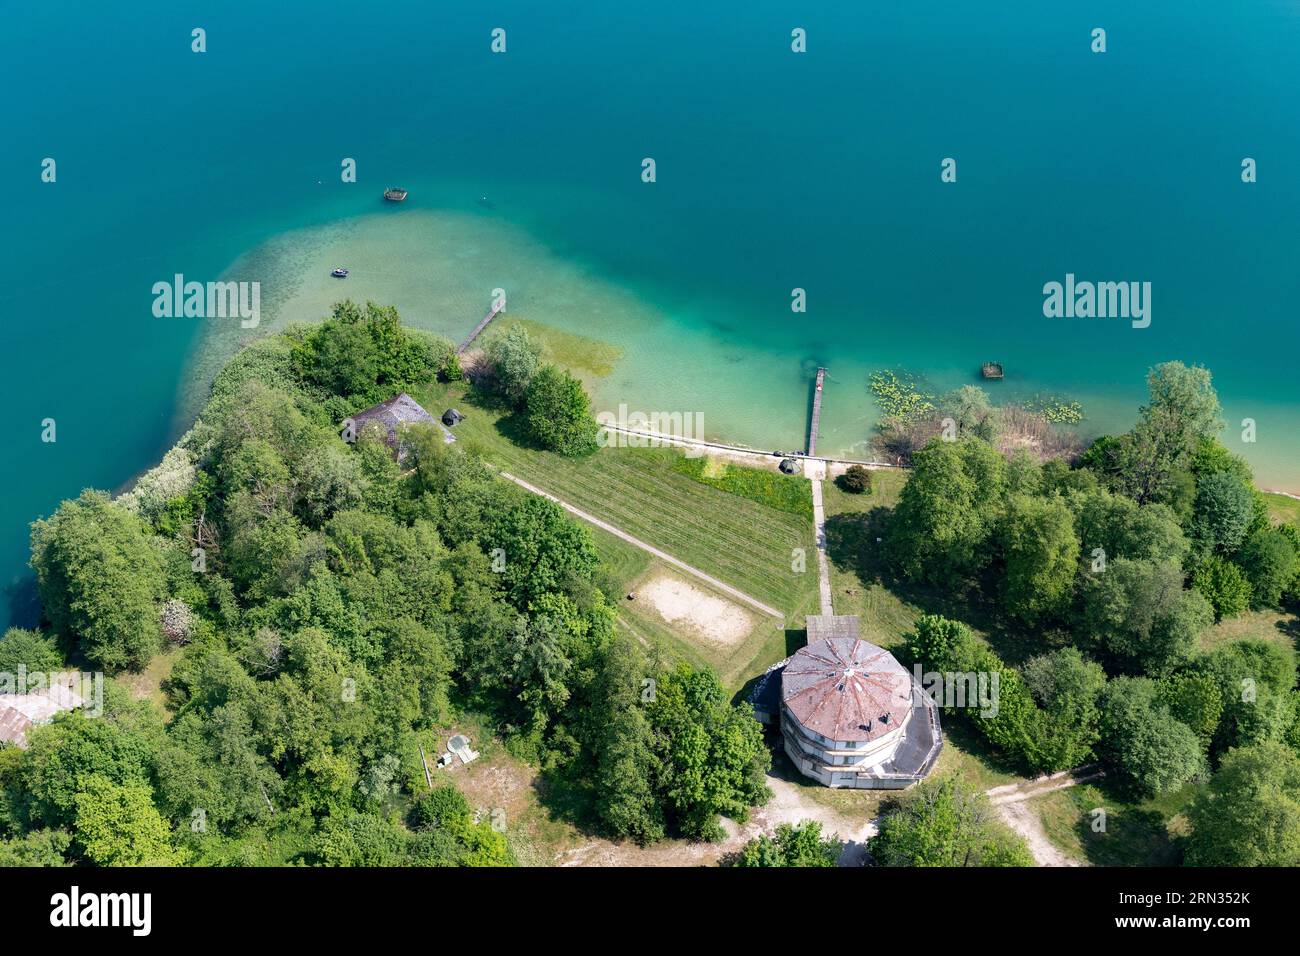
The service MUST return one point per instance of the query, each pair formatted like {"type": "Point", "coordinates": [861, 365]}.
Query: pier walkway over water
{"type": "Point", "coordinates": [816, 413]}
{"type": "Point", "coordinates": [498, 306]}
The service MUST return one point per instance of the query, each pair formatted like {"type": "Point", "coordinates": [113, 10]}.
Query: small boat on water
{"type": "Point", "coordinates": [991, 370]}
{"type": "Point", "coordinates": [395, 194]}
{"type": "Point", "coordinates": [340, 273]}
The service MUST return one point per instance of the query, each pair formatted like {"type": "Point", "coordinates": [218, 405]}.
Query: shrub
{"type": "Point", "coordinates": [856, 481]}
{"type": "Point", "coordinates": [1224, 585]}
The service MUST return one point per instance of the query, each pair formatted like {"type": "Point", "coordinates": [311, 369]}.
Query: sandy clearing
{"type": "Point", "coordinates": [682, 605]}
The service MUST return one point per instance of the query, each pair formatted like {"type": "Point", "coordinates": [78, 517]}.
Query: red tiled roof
{"type": "Point", "coordinates": [847, 689]}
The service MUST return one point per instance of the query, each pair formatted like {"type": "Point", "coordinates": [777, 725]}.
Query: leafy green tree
{"type": "Point", "coordinates": [1041, 554]}
{"type": "Point", "coordinates": [101, 580]}
{"type": "Point", "coordinates": [1271, 563]}
{"type": "Point", "coordinates": [37, 848]}
{"type": "Point", "coordinates": [118, 825]}
{"type": "Point", "coordinates": [940, 644]}
{"type": "Point", "coordinates": [29, 649]}
{"type": "Point", "coordinates": [1195, 699]}
{"type": "Point", "coordinates": [1140, 613]}
{"type": "Point", "coordinates": [1143, 744]}
{"type": "Point", "coordinates": [972, 413]}
{"type": "Point", "coordinates": [1122, 528]}
{"type": "Point", "coordinates": [443, 806]}
{"type": "Point", "coordinates": [1249, 815]}
{"type": "Point", "coordinates": [541, 548]}
{"type": "Point", "coordinates": [945, 823]}
{"type": "Point", "coordinates": [628, 804]}
{"type": "Point", "coordinates": [712, 754]}
{"type": "Point", "coordinates": [361, 839]}
{"type": "Point", "coordinates": [1182, 411]}
{"type": "Point", "coordinates": [947, 510]}
{"type": "Point", "coordinates": [1254, 678]}
{"type": "Point", "coordinates": [365, 353]}
{"type": "Point", "coordinates": [515, 360]}
{"type": "Point", "coordinates": [1067, 686]}
{"type": "Point", "coordinates": [792, 845]}
{"type": "Point", "coordinates": [1223, 512]}
{"type": "Point", "coordinates": [1223, 584]}
{"type": "Point", "coordinates": [557, 413]}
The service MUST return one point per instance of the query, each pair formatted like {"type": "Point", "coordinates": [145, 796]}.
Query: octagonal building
{"type": "Point", "coordinates": [850, 714]}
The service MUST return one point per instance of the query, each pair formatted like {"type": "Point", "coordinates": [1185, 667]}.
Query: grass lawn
{"type": "Point", "coordinates": [884, 617]}
{"type": "Point", "coordinates": [147, 685]}
{"type": "Point", "coordinates": [1136, 833]}
{"type": "Point", "coordinates": [637, 490]}
{"type": "Point", "coordinates": [1276, 627]}
{"type": "Point", "coordinates": [1282, 509]}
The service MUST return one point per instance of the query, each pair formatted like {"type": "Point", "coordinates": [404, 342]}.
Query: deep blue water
{"type": "Point", "coordinates": [775, 170]}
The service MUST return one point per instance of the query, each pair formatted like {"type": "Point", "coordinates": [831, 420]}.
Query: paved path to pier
{"type": "Point", "coordinates": [823, 565]}
{"type": "Point", "coordinates": [637, 542]}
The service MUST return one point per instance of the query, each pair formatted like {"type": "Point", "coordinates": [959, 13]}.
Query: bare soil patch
{"type": "Point", "coordinates": [695, 611]}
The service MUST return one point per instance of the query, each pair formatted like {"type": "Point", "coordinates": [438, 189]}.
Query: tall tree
{"type": "Point", "coordinates": [1249, 815]}
{"type": "Point", "coordinates": [100, 580]}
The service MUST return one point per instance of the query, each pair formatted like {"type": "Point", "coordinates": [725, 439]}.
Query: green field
{"type": "Point", "coordinates": [1283, 509]}
{"type": "Point", "coordinates": [637, 490]}
{"type": "Point", "coordinates": [884, 617]}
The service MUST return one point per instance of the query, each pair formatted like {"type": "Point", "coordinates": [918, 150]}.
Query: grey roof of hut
{"type": "Point", "coordinates": [19, 713]}
{"type": "Point", "coordinates": [397, 411]}
{"type": "Point", "coordinates": [846, 689]}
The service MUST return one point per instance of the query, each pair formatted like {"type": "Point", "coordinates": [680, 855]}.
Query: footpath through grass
{"type": "Point", "coordinates": [739, 541]}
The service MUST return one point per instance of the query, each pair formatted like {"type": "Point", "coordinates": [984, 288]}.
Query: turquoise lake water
{"type": "Point", "coordinates": [775, 170]}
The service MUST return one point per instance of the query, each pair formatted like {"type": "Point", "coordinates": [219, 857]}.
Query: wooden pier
{"type": "Point", "coordinates": [492, 314]}
{"type": "Point", "coordinates": [816, 413]}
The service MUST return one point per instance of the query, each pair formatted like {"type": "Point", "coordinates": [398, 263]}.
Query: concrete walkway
{"type": "Point", "coordinates": [663, 439]}
{"type": "Point", "coordinates": [637, 542]}
{"type": "Point", "coordinates": [823, 565]}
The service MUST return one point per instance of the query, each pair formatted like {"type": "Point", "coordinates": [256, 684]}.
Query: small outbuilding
{"type": "Point", "coordinates": [451, 417]}
{"type": "Point", "coordinates": [789, 466]}
{"type": "Point", "coordinates": [19, 713]}
{"type": "Point", "coordinates": [391, 417]}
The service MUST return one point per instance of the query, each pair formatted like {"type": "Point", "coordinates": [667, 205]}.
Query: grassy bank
{"type": "Point", "coordinates": [746, 544]}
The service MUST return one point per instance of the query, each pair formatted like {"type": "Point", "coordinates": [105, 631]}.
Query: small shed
{"type": "Point", "coordinates": [789, 466]}
{"type": "Point", "coordinates": [451, 417]}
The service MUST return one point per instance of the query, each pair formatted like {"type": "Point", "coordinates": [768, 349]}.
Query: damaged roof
{"type": "Point", "coordinates": [846, 689]}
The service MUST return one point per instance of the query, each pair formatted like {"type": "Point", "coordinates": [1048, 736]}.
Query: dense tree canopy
{"type": "Point", "coordinates": [945, 823]}
{"type": "Point", "coordinates": [101, 580]}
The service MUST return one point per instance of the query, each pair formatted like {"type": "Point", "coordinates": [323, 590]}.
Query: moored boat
{"type": "Point", "coordinates": [340, 273]}
{"type": "Point", "coordinates": [395, 194]}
